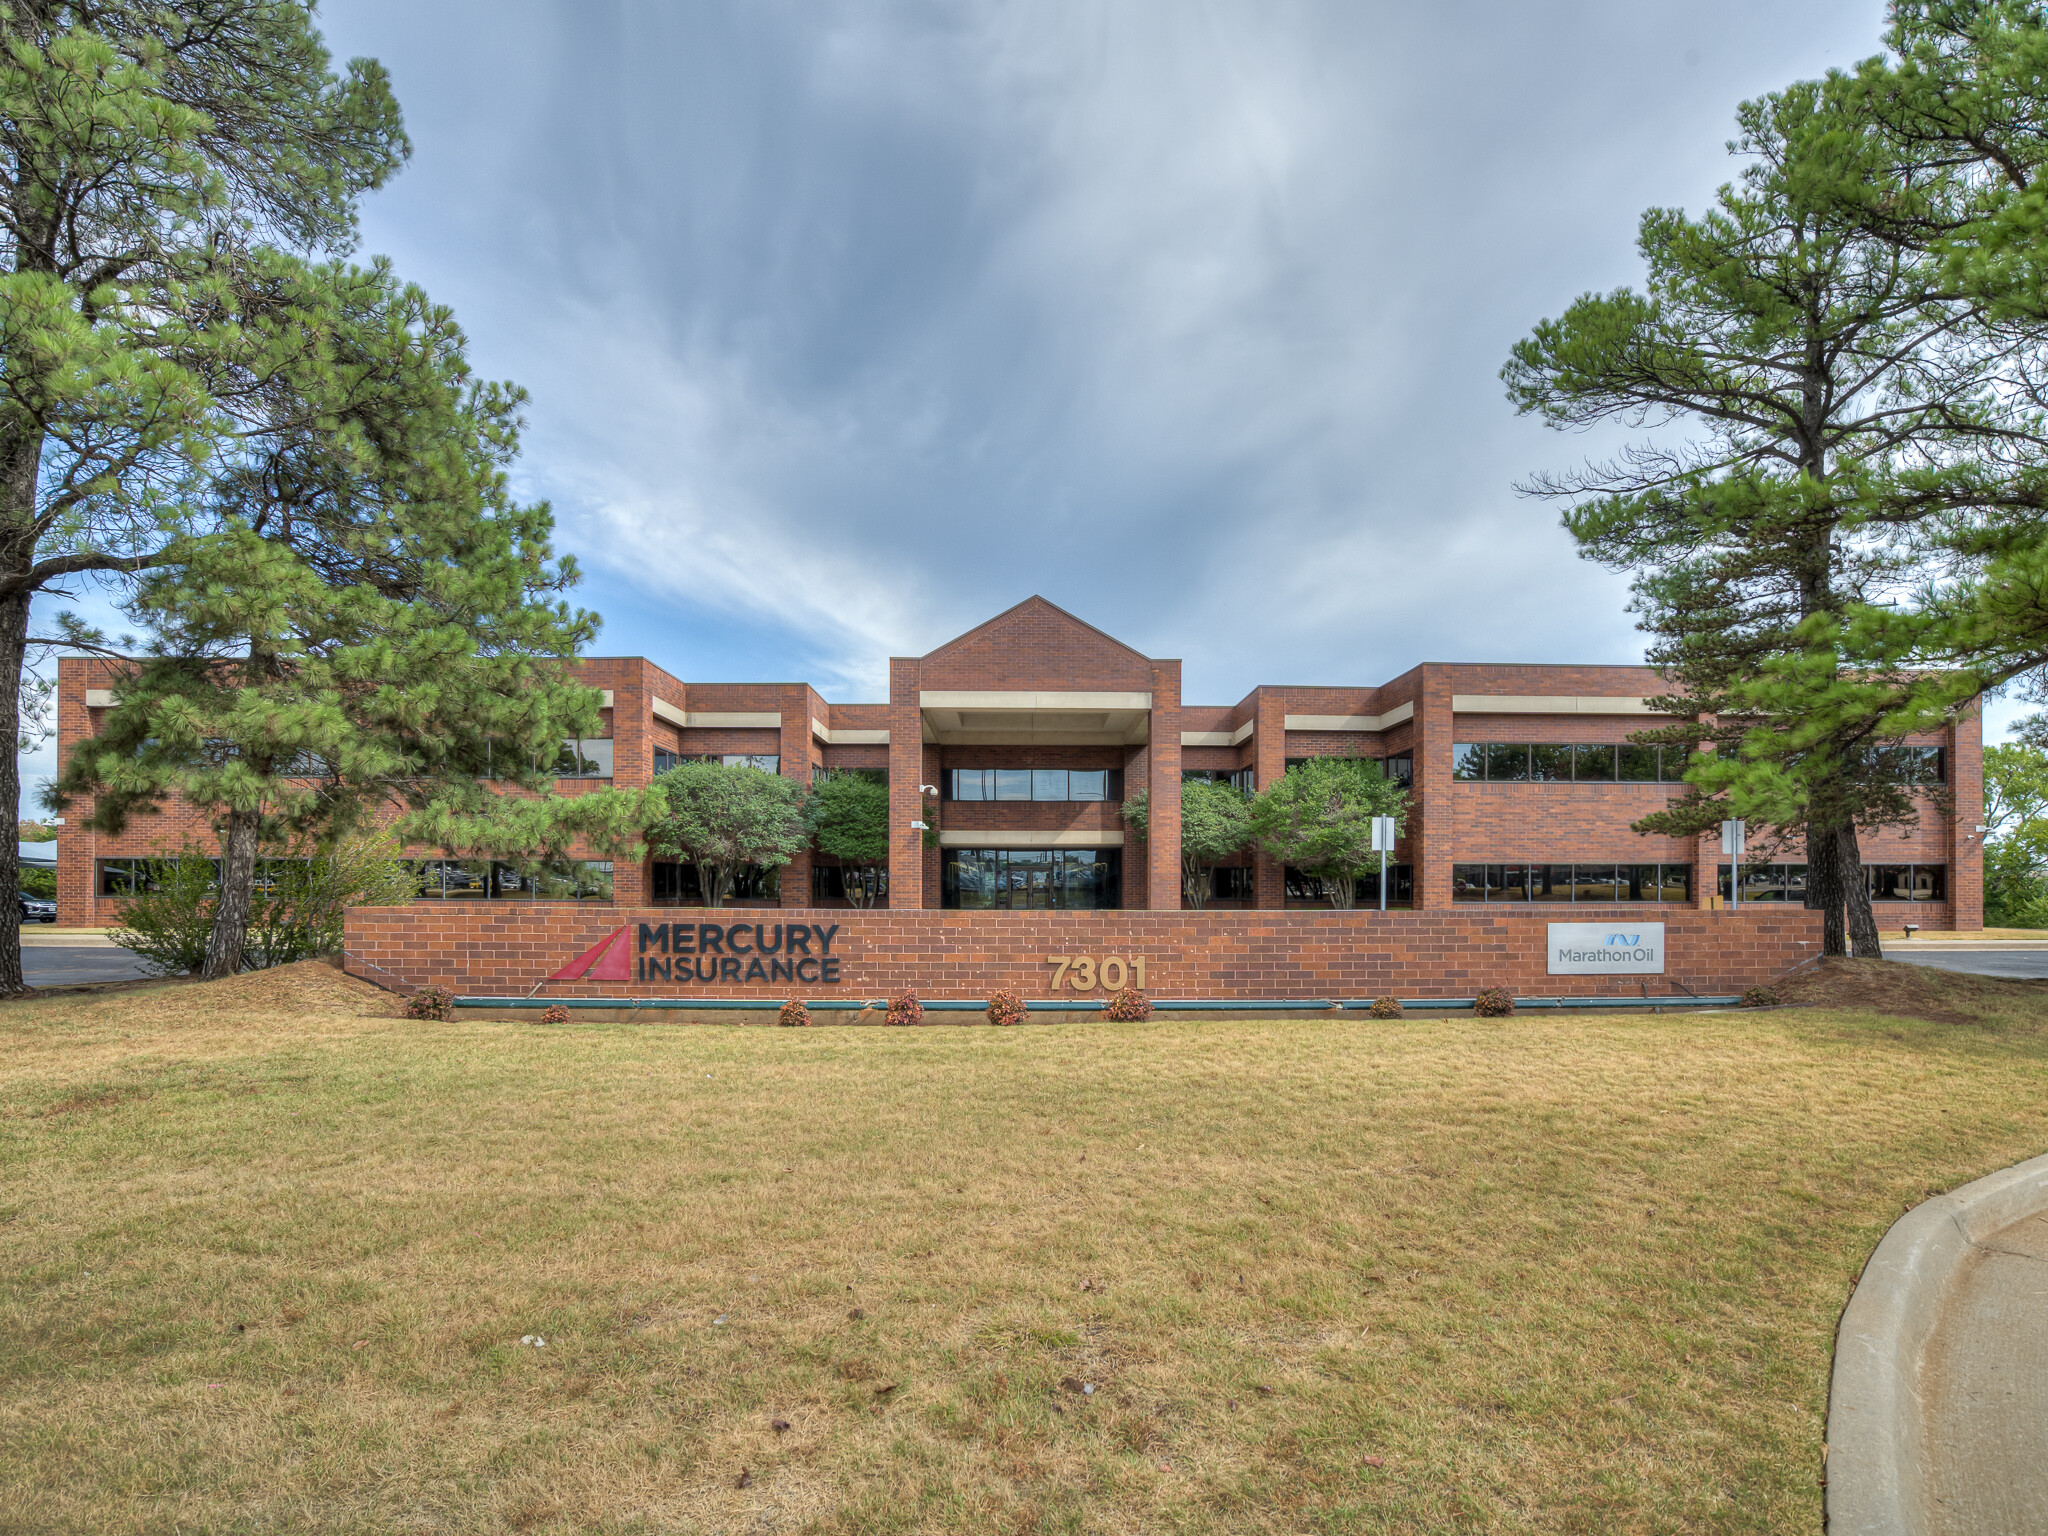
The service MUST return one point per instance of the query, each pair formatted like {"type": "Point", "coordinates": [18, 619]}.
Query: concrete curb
{"type": "Point", "coordinates": [1876, 1463]}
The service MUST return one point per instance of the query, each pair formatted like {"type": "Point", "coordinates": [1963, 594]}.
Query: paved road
{"type": "Point", "coordinates": [1979, 962]}
{"type": "Point", "coordinates": [56, 965]}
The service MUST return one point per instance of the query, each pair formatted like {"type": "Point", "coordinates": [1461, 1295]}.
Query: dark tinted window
{"type": "Point", "coordinates": [1401, 768]}
{"type": "Point", "coordinates": [1593, 765]}
{"type": "Point", "coordinates": [1550, 765]}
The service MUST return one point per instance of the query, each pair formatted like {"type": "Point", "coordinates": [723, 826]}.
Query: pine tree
{"type": "Point", "coordinates": [373, 628]}
{"type": "Point", "coordinates": [150, 157]}
{"type": "Point", "coordinates": [1833, 397]}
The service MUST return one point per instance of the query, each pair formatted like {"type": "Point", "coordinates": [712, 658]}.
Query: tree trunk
{"type": "Point", "coordinates": [235, 893]}
{"type": "Point", "coordinates": [13, 650]}
{"type": "Point", "coordinates": [1863, 942]}
{"type": "Point", "coordinates": [1194, 884]}
{"type": "Point", "coordinates": [1824, 886]}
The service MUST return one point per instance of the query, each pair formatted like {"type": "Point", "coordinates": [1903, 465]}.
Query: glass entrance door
{"type": "Point", "coordinates": [1031, 879]}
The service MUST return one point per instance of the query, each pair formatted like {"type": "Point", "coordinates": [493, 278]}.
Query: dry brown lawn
{"type": "Point", "coordinates": [266, 1258]}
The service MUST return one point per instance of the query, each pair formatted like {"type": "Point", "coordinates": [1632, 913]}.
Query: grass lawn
{"type": "Point", "coordinates": [266, 1259]}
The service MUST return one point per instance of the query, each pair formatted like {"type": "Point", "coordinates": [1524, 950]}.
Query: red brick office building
{"type": "Point", "coordinates": [1034, 726]}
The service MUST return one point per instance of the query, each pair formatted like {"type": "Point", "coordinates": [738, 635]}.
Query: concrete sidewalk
{"type": "Point", "coordinates": [1984, 1384]}
{"type": "Point", "coordinates": [1938, 1406]}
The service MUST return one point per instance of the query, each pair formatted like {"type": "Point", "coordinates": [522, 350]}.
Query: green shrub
{"type": "Point", "coordinates": [438, 1003]}
{"type": "Point", "coordinates": [303, 892]}
{"type": "Point", "coordinates": [1128, 1005]}
{"type": "Point", "coordinates": [794, 1014]}
{"type": "Point", "coordinates": [1006, 1007]}
{"type": "Point", "coordinates": [1385, 1008]}
{"type": "Point", "coordinates": [904, 1008]}
{"type": "Point", "coordinates": [1494, 1003]}
{"type": "Point", "coordinates": [168, 921]}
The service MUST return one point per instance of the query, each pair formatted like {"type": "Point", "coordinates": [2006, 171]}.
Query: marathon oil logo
{"type": "Point", "coordinates": [731, 953]}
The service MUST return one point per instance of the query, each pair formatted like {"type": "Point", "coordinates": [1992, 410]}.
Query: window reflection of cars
{"type": "Point", "coordinates": [34, 909]}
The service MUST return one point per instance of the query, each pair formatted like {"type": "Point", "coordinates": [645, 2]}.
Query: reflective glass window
{"type": "Point", "coordinates": [1013, 783]}
{"type": "Point", "coordinates": [1675, 760]}
{"type": "Point", "coordinates": [1400, 768]}
{"type": "Point", "coordinates": [1468, 882]}
{"type": "Point", "coordinates": [1677, 882]}
{"type": "Point", "coordinates": [1597, 882]}
{"type": "Point", "coordinates": [1049, 784]}
{"type": "Point", "coordinates": [1593, 765]}
{"type": "Point", "coordinates": [1550, 882]}
{"type": "Point", "coordinates": [1550, 765]}
{"type": "Point", "coordinates": [1507, 760]}
{"type": "Point", "coordinates": [973, 783]}
{"type": "Point", "coordinates": [1088, 784]}
{"type": "Point", "coordinates": [1638, 763]}
{"type": "Point", "coordinates": [1636, 882]}
{"type": "Point", "coordinates": [1468, 761]}
{"type": "Point", "coordinates": [586, 759]}
{"type": "Point", "coordinates": [1512, 882]}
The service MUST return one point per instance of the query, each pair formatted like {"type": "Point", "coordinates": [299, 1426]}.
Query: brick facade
{"type": "Point", "coordinates": [1035, 663]}
{"type": "Point", "coordinates": [506, 949]}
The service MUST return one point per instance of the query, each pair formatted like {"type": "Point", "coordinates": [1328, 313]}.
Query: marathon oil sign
{"type": "Point", "coordinates": [1607, 949]}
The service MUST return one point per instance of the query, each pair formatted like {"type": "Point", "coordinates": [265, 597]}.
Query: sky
{"type": "Point", "coordinates": [848, 325]}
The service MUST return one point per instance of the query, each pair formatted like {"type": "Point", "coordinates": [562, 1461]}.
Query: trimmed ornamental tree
{"type": "Point", "coordinates": [720, 817]}
{"type": "Point", "coordinates": [1318, 817]}
{"type": "Point", "coordinates": [848, 815]}
{"type": "Point", "coordinates": [1215, 824]}
{"type": "Point", "coordinates": [373, 628]}
{"type": "Point", "coordinates": [162, 164]}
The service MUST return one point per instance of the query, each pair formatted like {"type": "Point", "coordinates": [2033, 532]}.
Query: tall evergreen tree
{"type": "Point", "coordinates": [148, 156]}
{"type": "Point", "coordinates": [373, 626]}
{"type": "Point", "coordinates": [1817, 384]}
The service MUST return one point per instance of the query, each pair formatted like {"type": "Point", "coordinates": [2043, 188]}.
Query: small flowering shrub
{"type": "Point", "coordinates": [1006, 1007]}
{"type": "Point", "coordinates": [1384, 1008]}
{"type": "Point", "coordinates": [794, 1014]}
{"type": "Point", "coordinates": [554, 1013]}
{"type": "Point", "coordinates": [1759, 997]}
{"type": "Point", "coordinates": [1494, 1003]}
{"type": "Point", "coordinates": [1127, 1005]}
{"type": "Point", "coordinates": [904, 1008]}
{"type": "Point", "coordinates": [430, 1003]}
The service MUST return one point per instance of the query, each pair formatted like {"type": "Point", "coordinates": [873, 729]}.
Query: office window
{"type": "Point", "coordinates": [1550, 765]}
{"type": "Point", "coordinates": [1915, 765]}
{"type": "Point", "coordinates": [665, 759]}
{"type": "Point", "coordinates": [1604, 884]}
{"type": "Point", "coordinates": [1401, 769]}
{"type": "Point", "coordinates": [1301, 885]}
{"type": "Point", "coordinates": [829, 882]}
{"type": "Point", "coordinates": [1056, 785]}
{"type": "Point", "coordinates": [1639, 763]}
{"type": "Point", "coordinates": [1237, 882]}
{"type": "Point", "coordinates": [1766, 882]}
{"type": "Point", "coordinates": [1507, 760]}
{"type": "Point", "coordinates": [1049, 784]}
{"type": "Point", "coordinates": [590, 758]}
{"type": "Point", "coordinates": [1593, 764]}
{"type": "Point", "coordinates": [1468, 761]}
{"type": "Point", "coordinates": [1237, 778]}
{"type": "Point", "coordinates": [1907, 882]}
{"type": "Point", "coordinates": [675, 882]}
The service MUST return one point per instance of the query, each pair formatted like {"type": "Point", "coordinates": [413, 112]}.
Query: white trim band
{"type": "Point", "coordinates": [1400, 714]}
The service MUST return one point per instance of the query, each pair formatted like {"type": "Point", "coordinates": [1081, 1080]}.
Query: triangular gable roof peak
{"type": "Point", "coordinates": [1041, 642]}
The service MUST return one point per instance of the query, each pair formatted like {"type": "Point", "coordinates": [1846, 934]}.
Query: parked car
{"type": "Point", "coordinates": [36, 910]}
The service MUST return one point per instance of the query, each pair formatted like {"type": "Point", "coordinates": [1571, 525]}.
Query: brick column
{"type": "Point", "coordinates": [1966, 844]}
{"type": "Point", "coordinates": [1162, 848]}
{"type": "Point", "coordinates": [906, 769]}
{"type": "Point", "coordinates": [795, 890]}
{"type": "Point", "coordinates": [1432, 833]}
{"type": "Point", "coordinates": [1269, 741]}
